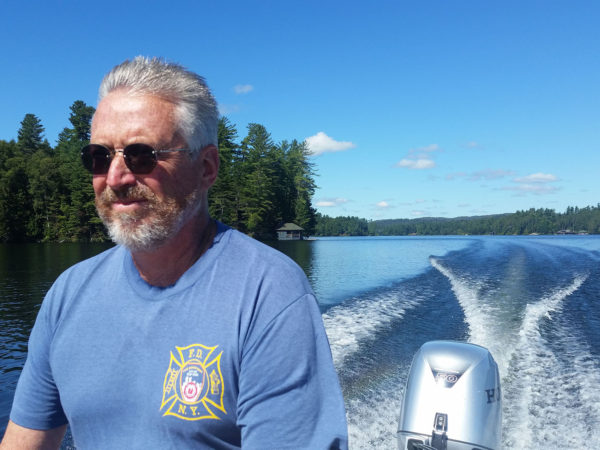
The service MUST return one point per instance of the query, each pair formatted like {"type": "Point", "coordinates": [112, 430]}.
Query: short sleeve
{"type": "Point", "coordinates": [289, 391]}
{"type": "Point", "coordinates": [37, 403]}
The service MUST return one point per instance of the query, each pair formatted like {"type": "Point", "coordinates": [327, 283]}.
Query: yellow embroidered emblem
{"type": "Point", "coordinates": [193, 387]}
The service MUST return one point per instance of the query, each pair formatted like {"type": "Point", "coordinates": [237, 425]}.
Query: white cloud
{"type": "Point", "coordinates": [419, 158]}
{"type": "Point", "coordinates": [416, 164]}
{"type": "Point", "coordinates": [228, 109]}
{"type": "Point", "coordinates": [537, 178]}
{"type": "Point", "coordinates": [536, 188]}
{"type": "Point", "coordinates": [383, 205]}
{"type": "Point", "coordinates": [330, 202]}
{"type": "Point", "coordinates": [486, 174]}
{"type": "Point", "coordinates": [490, 174]}
{"type": "Point", "coordinates": [321, 143]}
{"type": "Point", "coordinates": [243, 88]}
{"type": "Point", "coordinates": [536, 183]}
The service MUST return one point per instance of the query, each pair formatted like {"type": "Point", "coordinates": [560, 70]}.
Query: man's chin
{"type": "Point", "coordinates": [137, 240]}
{"type": "Point", "coordinates": [147, 229]}
{"type": "Point", "coordinates": [136, 234]}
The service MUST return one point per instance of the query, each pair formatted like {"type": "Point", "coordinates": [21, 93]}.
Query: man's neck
{"type": "Point", "coordinates": [165, 265]}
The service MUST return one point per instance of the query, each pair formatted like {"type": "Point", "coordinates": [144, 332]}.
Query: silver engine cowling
{"type": "Point", "coordinates": [451, 400]}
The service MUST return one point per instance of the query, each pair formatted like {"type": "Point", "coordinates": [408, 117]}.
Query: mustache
{"type": "Point", "coordinates": [110, 195]}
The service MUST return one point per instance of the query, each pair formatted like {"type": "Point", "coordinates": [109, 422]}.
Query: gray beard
{"type": "Point", "coordinates": [151, 228]}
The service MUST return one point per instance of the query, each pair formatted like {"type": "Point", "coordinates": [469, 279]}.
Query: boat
{"type": "Point", "coordinates": [452, 399]}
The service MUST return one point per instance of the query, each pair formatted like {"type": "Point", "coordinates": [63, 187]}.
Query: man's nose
{"type": "Point", "coordinates": [119, 174]}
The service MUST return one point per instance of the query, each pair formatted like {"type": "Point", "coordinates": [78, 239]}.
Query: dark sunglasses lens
{"type": "Point", "coordinates": [140, 158]}
{"type": "Point", "coordinates": [96, 159]}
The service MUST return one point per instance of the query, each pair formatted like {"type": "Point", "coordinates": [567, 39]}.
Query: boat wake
{"type": "Point", "coordinates": [485, 328]}
{"type": "Point", "coordinates": [352, 323]}
{"type": "Point", "coordinates": [545, 366]}
{"type": "Point", "coordinates": [552, 371]}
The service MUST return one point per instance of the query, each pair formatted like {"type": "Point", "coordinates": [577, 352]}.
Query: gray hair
{"type": "Point", "coordinates": [196, 108]}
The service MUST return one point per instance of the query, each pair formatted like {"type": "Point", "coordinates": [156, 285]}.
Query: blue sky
{"type": "Point", "coordinates": [423, 108]}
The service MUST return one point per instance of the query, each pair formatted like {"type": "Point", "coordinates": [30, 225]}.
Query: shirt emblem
{"type": "Point", "coordinates": [193, 387]}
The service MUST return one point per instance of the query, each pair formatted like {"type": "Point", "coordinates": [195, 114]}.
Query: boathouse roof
{"type": "Point", "coordinates": [290, 227]}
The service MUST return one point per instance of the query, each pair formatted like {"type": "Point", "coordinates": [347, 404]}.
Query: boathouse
{"type": "Point", "coordinates": [289, 232]}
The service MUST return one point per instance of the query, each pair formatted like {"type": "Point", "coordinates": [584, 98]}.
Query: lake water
{"type": "Point", "coordinates": [533, 301]}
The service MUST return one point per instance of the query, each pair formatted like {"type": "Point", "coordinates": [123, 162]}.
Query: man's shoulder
{"type": "Point", "coordinates": [257, 267]}
{"type": "Point", "coordinates": [92, 261]}
{"type": "Point", "coordinates": [66, 289]}
{"type": "Point", "coordinates": [82, 269]}
{"type": "Point", "coordinates": [256, 254]}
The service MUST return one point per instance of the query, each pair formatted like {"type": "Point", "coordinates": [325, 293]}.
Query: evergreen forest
{"type": "Point", "coordinates": [533, 221]}
{"type": "Point", "coordinates": [46, 195]}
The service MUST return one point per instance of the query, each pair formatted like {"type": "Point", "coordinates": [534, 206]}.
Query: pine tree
{"type": "Point", "coordinates": [77, 219]}
{"type": "Point", "coordinates": [15, 201]}
{"type": "Point", "coordinates": [225, 193]}
{"type": "Point", "coordinates": [31, 134]}
{"type": "Point", "coordinates": [302, 174]}
{"type": "Point", "coordinates": [258, 191]}
{"type": "Point", "coordinates": [81, 119]}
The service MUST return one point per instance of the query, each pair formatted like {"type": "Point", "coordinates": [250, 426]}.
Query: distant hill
{"type": "Point", "coordinates": [533, 221]}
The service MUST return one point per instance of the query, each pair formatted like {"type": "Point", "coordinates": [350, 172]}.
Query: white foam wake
{"type": "Point", "coordinates": [487, 321]}
{"type": "Point", "coordinates": [373, 420]}
{"type": "Point", "coordinates": [551, 395]}
{"type": "Point", "coordinates": [348, 325]}
{"type": "Point", "coordinates": [544, 308]}
{"type": "Point", "coordinates": [483, 318]}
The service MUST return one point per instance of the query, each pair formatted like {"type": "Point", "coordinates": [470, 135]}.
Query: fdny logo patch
{"type": "Point", "coordinates": [193, 387]}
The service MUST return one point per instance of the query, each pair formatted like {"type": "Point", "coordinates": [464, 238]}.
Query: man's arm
{"type": "Point", "coordinates": [21, 438]}
{"type": "Point", "coordinates": [289, 393]}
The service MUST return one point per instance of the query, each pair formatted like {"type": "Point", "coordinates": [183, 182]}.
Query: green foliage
{"type": "Point", "coordinates": [300, 171]}
{"type": "Point", "coordinates": [341, 226]}
{"type": "Point", "coordinates": [262, 185]}
{"type": "Point", "coordinates": [46, 194]}
{"type": "Point", "coordinates": [225, 195]}
{"type": "Point", "coordinates": [15, 202]}
{"type": "Point", "coordinates": [533, 221]}
{"type": "Point", "coordinates": [260, 173]}
{"type": "Point", "coordinates": [81, 119]}
{"type": "Point", "coordinates": [31, 134]}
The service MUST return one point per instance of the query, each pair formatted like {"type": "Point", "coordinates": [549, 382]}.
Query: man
{"type": "Point", "coordinates": [188, 333]}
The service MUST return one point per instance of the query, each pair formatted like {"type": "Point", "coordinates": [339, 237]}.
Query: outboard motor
{"type": "Point", "coordinates": [452, 399]}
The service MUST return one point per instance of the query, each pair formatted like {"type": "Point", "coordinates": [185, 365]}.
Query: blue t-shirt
{"type": "Point", "coordinates": [233, 354]}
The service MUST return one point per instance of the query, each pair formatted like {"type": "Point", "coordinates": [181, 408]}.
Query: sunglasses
{"type": "Point", "coordinates": [139, 158]}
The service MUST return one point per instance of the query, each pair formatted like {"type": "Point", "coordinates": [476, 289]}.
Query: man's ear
{"type": "Point", "coordinates": [209, 159]}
